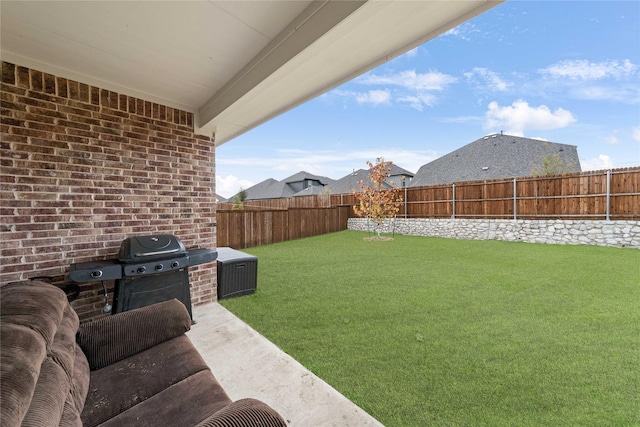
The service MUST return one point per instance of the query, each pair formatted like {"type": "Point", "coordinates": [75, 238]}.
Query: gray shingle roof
{"type": "Point", "coordinates": [311, 191]}
{"type": "Point", "coordinates": [288, 187]}
{"type": "Point", "coordinates": [398, 171]}
{"type": "Point", "coordinates": [349, 183]}
{"type": "Point", "coordinates": [302, 176]}
{"type": "Point", "coordinates": [494, 156]}
{"type": "Point", "coordinates": [269, 189]}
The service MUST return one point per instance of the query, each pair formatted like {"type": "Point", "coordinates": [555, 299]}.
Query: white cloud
{"type": "Point", "coordinates": [463, 32]}
{"type": "Point", "coordinates": [519, 116]}
{"type": "Point", "coordinates": [230, 185]}
{"type": "Point", "coordinates": [488, 78]}
{"type": "Point", "coordinates": [628, 94]}
{"type": "Point", "coordinates": [409, 79]}
{"type": "Point", "coordinates": [375, 97]}
{"type": "Point", "coordinates": [601, 162]}
{"type": "Point", "coordinates": [418, 101]}
{"type": "Point", "coordinates": [582, 69]}
{"type": "Point", "coordinates": [612, 138]}
{"type": "Point", "coordinates": [461, 119]}
{"type": "Point", "coordinates": [414, 88]}
{"type": "Point", "coordinates": [635, 132]}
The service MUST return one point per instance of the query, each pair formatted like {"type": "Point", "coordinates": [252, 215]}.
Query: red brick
{"type": "Point", "coordinates": [84, 92]}
{"type": "Point", "coordinates": [14, 106]}
{"type": "Point", "coordinates": [74, 124]}
{"type": "Point", "coordinates": [8, 73]}
{"type": "Point", "coordinates": [104, 97]}
{"type": "Point", "coordinates": [23, 78]}
{"type": "Point", "coordinates": [113, 100]}
{"type": "Point", "coordinates": [13, 89]}
{"type": "Point", "coordinates": [74, 90]}
{"type": "Point", "coordinates": [36, 80]}
{"type": "Point", "coordinates": [61, 87]}
{"type": "Point", "coordinates": [95, 96]}
{"type": "Point", "coordinates": [49, 84]}
{"type": "Point", "coordinates": [46, 127]}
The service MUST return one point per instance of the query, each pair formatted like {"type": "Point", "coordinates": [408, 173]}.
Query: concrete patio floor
{"type": "Point", "coordinates": [248, 365]}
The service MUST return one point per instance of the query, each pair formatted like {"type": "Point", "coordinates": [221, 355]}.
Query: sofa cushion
{"type": "Point", "coordinates": [114, 338]}
{"type": "Point", "coordinates": [184, 404]}
{"type": "Point", "coordinates": [37, 328]}
{"type": "Point", "coordinates": [78, 393]}
{"type": "Point", "coordinates": [123, 385]}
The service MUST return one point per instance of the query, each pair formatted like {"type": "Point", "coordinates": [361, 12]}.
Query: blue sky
{"type": "Point", "coordinates": [561, 71]}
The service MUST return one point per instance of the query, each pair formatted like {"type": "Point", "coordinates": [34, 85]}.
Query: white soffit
{"type": "Point", "coordinates": [178, 53]}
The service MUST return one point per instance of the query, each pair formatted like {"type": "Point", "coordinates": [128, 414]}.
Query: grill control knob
{"type": "Point", "coordinates": [159, 267]}
{"type": "Point", "coordinates": [142, 269]}
{"type": "Point", "coordinates": [175, 264]}
{"type": "Point", "coordinates": [96, 274]}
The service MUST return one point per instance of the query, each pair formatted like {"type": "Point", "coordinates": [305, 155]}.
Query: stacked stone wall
{"type": "Point", "coordinates": [625, 234]}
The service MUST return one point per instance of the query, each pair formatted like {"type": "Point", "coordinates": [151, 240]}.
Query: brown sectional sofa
{"type": "Point", "coordinates": [136, 368]}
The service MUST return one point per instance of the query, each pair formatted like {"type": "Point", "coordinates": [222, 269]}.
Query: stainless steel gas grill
{"type": "Point", "coordinates": [149, 269]}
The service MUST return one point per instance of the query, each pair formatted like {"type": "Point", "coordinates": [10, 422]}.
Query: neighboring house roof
{"type": "Point", "coordinates": [349, 183]}
{"type": "Point", "coordinates": [268, 189]}
{"type": "Point", "coordinates": [303, 176]}
{"type": "Point", "coordinates": [396, 174]}
{"type": "Point", "coordinates": [494, 156]}
{"type": "Point", "coordinates": [311, 191]}
{"type": "Point", "coordinates": [398, 171]}
{"type": "Point", "coordinates": [295, 185]}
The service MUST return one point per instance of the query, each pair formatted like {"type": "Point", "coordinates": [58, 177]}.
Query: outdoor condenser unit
{"type": "Point", "coordinates": [237, 273]}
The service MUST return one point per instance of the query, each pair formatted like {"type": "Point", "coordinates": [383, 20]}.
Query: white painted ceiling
{"type": "Point", "coordinates": [234, 64]}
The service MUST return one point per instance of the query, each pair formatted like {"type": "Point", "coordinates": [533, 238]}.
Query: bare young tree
{"type": "Point", "coordinates": [376, 200]}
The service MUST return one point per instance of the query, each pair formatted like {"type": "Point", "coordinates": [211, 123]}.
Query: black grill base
{"type": "Point", "coordinates": [137, 292]}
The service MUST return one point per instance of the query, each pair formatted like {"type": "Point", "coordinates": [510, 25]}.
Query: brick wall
{"type": "Point", "coordinates": [83, 168]}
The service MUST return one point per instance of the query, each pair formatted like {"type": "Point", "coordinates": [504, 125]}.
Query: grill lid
{"type": "Point", "coordinates": [145, 248]}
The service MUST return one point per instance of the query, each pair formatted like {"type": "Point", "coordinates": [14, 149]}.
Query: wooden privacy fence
{"type": "Point", "coordinates": [599, 195]}
{"type": "Point", "coordinates": [605, 195]}
{"type": "Point", "coordinates": [249, 228]}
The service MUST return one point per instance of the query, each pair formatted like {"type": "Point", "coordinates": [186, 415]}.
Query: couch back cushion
{"type": "Point", "coordinates": [42, 371]}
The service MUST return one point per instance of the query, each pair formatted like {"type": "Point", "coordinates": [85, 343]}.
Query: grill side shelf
{"type": "Point", "coordinates": [201, 256]}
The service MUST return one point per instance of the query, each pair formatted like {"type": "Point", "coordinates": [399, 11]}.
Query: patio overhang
{"type": "Point", "coordinates": [233, 64]}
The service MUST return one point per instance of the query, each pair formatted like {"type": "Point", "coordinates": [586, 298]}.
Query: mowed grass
{"type": "Point", "coordinates": [435, 332]}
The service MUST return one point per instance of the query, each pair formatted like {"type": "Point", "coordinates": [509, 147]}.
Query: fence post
{"type": "Point", "coordinates": [608, 214]}
{"type": "Point", "coordinates": [515, 200]}
{"type": "Point", "coordinates": [404, 184]}
{"type": "Point", "coordinates": [453, 201]}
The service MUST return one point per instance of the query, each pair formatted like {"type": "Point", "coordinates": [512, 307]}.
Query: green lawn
{"type": "Point", "coordinates": [434, 332]}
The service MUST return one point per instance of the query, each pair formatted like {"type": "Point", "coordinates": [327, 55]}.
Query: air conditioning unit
{"type": "Point", "coordinates": [237, 273]}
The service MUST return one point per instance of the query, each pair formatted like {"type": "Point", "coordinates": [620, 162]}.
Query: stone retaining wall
{"type": "Point", "coordinates": [625, 234]}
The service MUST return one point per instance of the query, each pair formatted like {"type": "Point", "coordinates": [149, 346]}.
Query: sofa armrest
{"type": "Point", "coordinates": [245, 413]}
{"type": "Point", "coordinates": [111, 339]}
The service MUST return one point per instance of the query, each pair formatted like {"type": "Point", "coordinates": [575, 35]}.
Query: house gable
{"type": "Point", "coordinates": [494, 156]}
